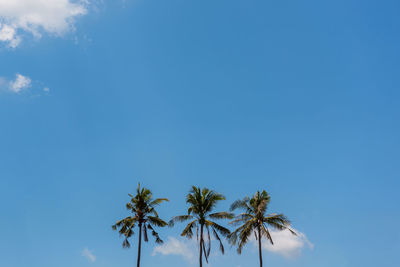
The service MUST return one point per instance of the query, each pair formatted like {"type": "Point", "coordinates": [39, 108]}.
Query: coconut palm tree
{"type": "Point", "coordinates": [201, 203]}
{"type": "Point", "coordinates": [145, 217]}
{"type": "Point", "coordinates": [254, 219]}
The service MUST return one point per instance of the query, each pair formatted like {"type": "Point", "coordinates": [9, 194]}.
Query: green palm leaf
{"type": "Point", "coordinates": [254, 220]}
{"type": "Point", "coordinates": [142, 205]}
{"type": "Point", "coordinates": [201, 204]}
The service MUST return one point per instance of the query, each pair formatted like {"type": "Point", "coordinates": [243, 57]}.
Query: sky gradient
{"type": "Point", "coordinates": [300, 98]}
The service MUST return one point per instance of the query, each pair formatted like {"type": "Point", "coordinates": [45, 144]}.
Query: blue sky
{"type": "Point", "coordinates": [300, 98]}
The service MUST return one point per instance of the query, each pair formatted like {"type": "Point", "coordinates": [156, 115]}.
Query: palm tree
{"type": "Point", "coordinates": [202, 202]}
{"type": "Point", "coordinates": [254, 219]}
{"type": "Point", "coordinates": [144, 216]}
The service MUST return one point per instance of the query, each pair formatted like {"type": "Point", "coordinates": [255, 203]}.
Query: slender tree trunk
{"type": "Point", "coordinates": [259, 245]}
{"type": "Point", "coordinates": [140, 244]}
{"type": "Point", "coordinates": [201, 246]}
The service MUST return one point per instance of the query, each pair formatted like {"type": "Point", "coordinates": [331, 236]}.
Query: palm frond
{"type": "Point", "coordinates": [158, 201]}
{"type": "Point", "coordinates": [219, 228]}
{"type": "Point", "coordinates": [155, 235]}
{"type": "Point", "coordinates": [156, 221]}
{"type": "Point", "coordinates": [240, 204]}
{"type": "Point", "coordinates": [209, 240]}
{"type": "Point", "coordinates": [180, 218]}
{"type": "Point", "coordinates": [188, 231]}
{"type": "Point", "coordinates": [221, 246]}
{"type": "Point", "coordinates": [201, 202]}
{"type": "Point", "coordinates": [241, 218]}
{"type": "Point", "coordinates": [254, 218]}
{"type": "Point", "coordinates": [221, 215]}
{"type": "Point", "coordinates": [204, 251]}
{"type": "Point", "coordinates": [244, 235]}
{"type": "Point", "coordinates": [142, 206]}
{"type": "Point", "coordinates": [146, 239]}
{"type": "Point", "coordinates": [278, 221]}
{"type": "Point", "coordinates": [277, 218]}
{"type": "Point", "coordinates": [211, 199]}
{"type": "Point", "coordinates": [126, 244]}
{"type": "Point", "coordinates": [265, 232]}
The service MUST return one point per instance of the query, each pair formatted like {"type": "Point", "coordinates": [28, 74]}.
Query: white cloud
{"type": "Point", "coordinates": [36, 17]}
{"type": "Point", "coordinates": [177, 247]}
{"type": "Point", "coordinates": [286, 244]}
{"type": "Point", "coordinates": [88, 254]}
{"type": "Point", "coordinates": [8, 34]}
{"type": "Point", "coordinates": [21, 82]}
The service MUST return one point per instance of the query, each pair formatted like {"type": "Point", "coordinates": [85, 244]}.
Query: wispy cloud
{"type": "Point", "coordinates": [19, 84]}
{"type": "Point", "coordinates": [88, 254]}
{"type": "Point", "coordinates": [16, 85]}
{"type": "Point", "coordinates": [287, 244]}
{"type": "Point", "coordinates": [177, 247]}
{"type": "Point", "coordinates": [55, 17]}
{"type": "Point", "coordinates": [8, 34]}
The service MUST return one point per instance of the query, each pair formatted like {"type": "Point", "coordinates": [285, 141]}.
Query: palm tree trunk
{"type": "Point", "coordinates": [201, 246]}
{"type": "Point", "coordinates": [140, 244]}
{"type": "Point", "coordinates": [259, 245]}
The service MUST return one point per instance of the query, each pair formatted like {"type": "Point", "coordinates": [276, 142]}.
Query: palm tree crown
{"type": "Point", "coordinates": [142, 205]}
{"type": "Point", "coordinates": [254, 219]}
{"type": "Point", "coordinates": [202, 202]}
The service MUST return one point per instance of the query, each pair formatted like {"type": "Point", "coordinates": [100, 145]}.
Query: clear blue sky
{"type": "Point", "coordinates": [300, 98]}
